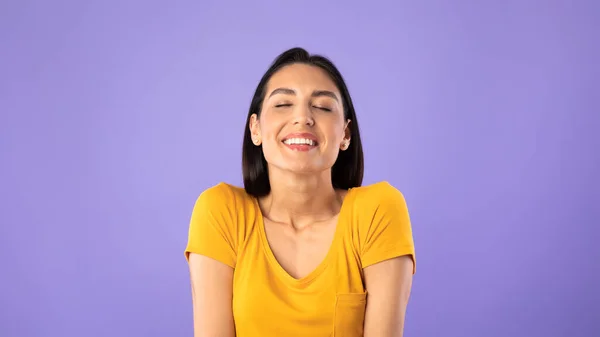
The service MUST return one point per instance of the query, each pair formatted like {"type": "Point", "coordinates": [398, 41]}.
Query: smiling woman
{"type": "Point", "coordinates": [303, 249]}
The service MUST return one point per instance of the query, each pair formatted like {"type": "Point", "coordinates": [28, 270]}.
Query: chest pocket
{"type": "Point", "coordinates": [349, 315]}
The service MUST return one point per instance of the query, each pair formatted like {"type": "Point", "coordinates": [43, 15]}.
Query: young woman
{"type": "Point", "coordinates": [303, 249]}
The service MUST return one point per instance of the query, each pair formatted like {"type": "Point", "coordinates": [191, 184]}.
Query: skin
{"type": "Point", "coordinates": [212, 295]}
{"type": "Point", "coordinates": [388, 284]}
{"type": "Point", "coordinates": [301, 210]}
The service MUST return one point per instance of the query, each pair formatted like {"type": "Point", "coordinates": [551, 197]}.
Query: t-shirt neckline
{"type": "Point", "coordinates": [281, 272]}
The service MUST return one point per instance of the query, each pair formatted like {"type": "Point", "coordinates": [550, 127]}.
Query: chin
{"type": "Point", "coordinates": [303, 169]}
{"type": "Point", "coordinates": [300, 165]}
{"type": "Point", "coordinates": [300, 168]}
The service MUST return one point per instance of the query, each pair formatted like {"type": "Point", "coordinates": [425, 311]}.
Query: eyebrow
{"type": "Point", "coordinates": [316, 93]}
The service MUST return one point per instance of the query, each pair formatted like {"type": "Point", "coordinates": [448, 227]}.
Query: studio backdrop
{"type": "Point", "coordinates": [116, 115]}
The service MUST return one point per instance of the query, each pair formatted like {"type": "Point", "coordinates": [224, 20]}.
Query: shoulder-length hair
{"type": "Point", "coordinates": [348, 169]}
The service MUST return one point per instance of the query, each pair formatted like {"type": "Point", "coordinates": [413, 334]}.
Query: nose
{"type": "Point", "coordinates": [303, 115]}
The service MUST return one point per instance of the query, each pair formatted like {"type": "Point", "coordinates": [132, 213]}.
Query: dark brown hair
{"type": "Point", "coordinates": [348, 169]}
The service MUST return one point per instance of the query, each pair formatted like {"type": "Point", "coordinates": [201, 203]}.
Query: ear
{"type": "Point", "coordinates": [254, 126]}
{"type": "Point", "coordinates": [346, 140]}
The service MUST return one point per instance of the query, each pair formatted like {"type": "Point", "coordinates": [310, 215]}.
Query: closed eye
{"type": "Point", "coordinates": [316, 107]}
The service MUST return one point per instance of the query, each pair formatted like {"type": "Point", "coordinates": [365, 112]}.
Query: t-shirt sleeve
{"type": "Point", "coordinates": [389, 233]}
{"type": "Point", "coordinates": [212, 228]}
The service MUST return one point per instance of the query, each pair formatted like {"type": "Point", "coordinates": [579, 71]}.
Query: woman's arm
{"type": "Point", "coordinates": [212, 288]}
{"type": "Point", "coordinates": [388, 285]}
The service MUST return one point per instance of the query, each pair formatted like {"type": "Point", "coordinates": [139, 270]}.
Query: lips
{"type": "Point", "coordinates": [302, 142]}
{"type": "Point", "coordinates": [301, 139]}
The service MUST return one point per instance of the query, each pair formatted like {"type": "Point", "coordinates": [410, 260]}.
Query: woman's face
{"type": "Point", "coordinates": [301, 126]}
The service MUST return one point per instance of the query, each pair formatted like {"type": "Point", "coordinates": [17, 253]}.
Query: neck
{"type": "Point", "coordinates": [301, 200]}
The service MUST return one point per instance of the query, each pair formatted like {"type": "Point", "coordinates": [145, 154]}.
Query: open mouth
{"type": "Point", "coordinates": [300, 144]}
{"type": "Point", "coordinates": [300, 141]}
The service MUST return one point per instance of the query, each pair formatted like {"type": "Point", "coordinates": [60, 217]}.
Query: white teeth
{"type": "Point", "coordinates": [299, 141]}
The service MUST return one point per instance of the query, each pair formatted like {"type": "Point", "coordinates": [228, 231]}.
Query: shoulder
{"type": "Point", "coordinates": [225, 205]}
{"type": "Point", "coordinates": [379, 194]}
{"type": "Point", "coordinates": [381, 223]}
{"type": "Point", "coordinates": [222, 196]}
{"type": "Point", "coordinates": [214, 229]}
{"type": "Point", "coordinates": [379, 207]}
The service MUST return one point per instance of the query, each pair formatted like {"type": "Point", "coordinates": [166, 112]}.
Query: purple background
{"type": "Point", "coordinates": [115, 116]}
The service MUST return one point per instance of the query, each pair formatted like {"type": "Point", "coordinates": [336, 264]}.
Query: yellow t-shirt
{"type": "Point", "coordinates": [227, 225]}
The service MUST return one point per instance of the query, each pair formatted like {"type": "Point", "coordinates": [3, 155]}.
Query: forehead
{"type": "Point", "coordinates": [301, 77]}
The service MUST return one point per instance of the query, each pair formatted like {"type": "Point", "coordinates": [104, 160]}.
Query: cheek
{"type": "Point", "coordinates": [335, 135]}
{"type": "Point", "coordinates": [269, 131]}
{"type": "Point", "coordinates": [269, 135]}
